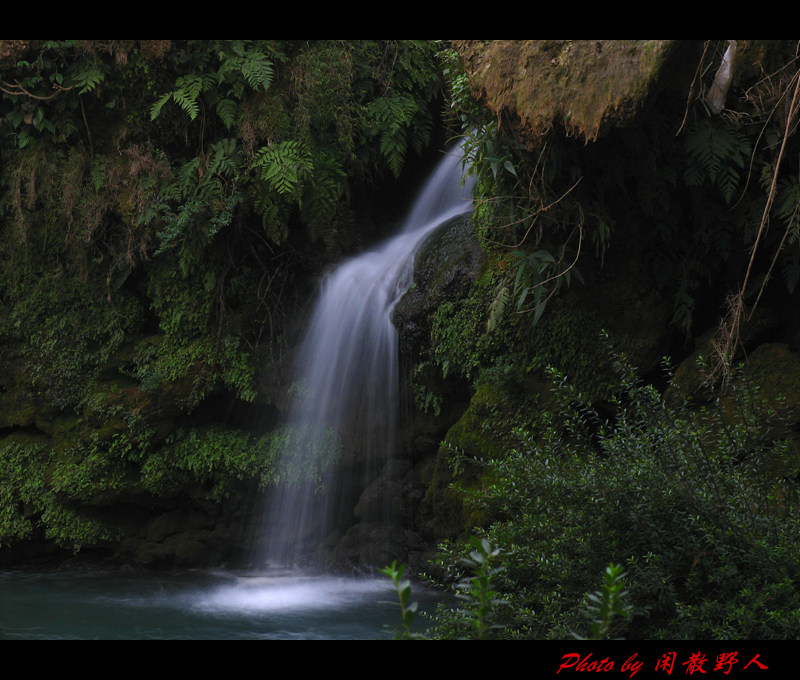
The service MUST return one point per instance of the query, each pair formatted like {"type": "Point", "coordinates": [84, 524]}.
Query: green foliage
{"type": "Point", "coordinates": [230, 117]}
{"type": "Point", "coordinates": [284, 166]}
{"type": "Point", "coordinates": [241, 64]}
{"type": "Point", "coordinates": [37, 109]}
{"type": "Point", "coordinates": [535, 271]}
{"type": "Point", "coordinates": [62, 334]}
{"type": "Point", "coordinates": [476, 579]}
{"type": "Point", "coordinates": [477, 331]}
{"type": "Point", "coordinates": [195, 345]}
{"type": "Point", "coordinates": [22, 486]}
{"type": "Point", "coordinates": [716, 152]}
{"type": "Point", "coordinates": [520, 211]}
{"type": "Point", "coordinates": [606, 605]}
{"type": "Point", "coordinates": [463, 112]}
{"type": "Point", "coordinates": [684, 499]}
{"type": "Point", "coordinates": [403, 587]}
{"type": "Point", "coordinates": [56, 489]}
{"type": "Point", "coordinates": [483, 332]}
{"type": "Point", "coordinates": [478, 590]}
{"type": "Point", "coordinates": [216, 458]}
{"type": "Point", "coordinates": [392, 116]}
{"type": "Point", "coordinates": [34, 506]}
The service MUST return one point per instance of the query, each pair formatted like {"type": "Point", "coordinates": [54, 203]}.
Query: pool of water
{"type": "Point", "coordinates": [197, 605]}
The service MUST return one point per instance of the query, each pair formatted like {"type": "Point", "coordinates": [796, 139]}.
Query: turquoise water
{"type": "Point", "coordinates": [194, 605]}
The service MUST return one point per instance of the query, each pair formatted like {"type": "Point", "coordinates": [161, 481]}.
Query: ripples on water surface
{"type": "Point", "coordinates": [198, 606]}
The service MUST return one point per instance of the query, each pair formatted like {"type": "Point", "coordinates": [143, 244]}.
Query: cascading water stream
{"type": "Point", "coordinates": [346, 399]}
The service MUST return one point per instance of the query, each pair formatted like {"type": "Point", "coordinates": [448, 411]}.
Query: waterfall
{"type": "Point", "coordinates": [342, 424]}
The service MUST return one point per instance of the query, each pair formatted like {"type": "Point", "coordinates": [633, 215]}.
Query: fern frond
{"type": "Point", "coordinates": [258, 71]}
{"type": "Point", "coordinates": [393, 147]}
{"type": "Point", "coordinates": [284, 166]}
{"type": "Point", "coordinates": [155, 110]}
{"type": "Point", "coordinates": [187, 91]}
{"type": "Point", "coordinates": [497, 308]}
{"type": "Point", "coordinates": [89, 77]}
{"type": "Point", "coordinates": [226, 110]}
{"type": "Point", "coordinates": [224, 157]}
{"type": "Point", "coordinates": [324, 192]}
{"type": "Point", "coordinates": [728, 182]}
{"type": "Point", "coordinates": [393, 116]}
{"type": "Point", "coordinates": [717, 152]}
{"type": "Point", "coordinates": [187, 103]}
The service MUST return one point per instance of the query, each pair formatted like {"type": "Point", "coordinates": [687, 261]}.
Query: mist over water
{"type": "Point", "coordinates": [198, 606]}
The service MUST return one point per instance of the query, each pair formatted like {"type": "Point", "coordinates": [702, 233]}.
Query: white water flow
{"type": "Point", "coordinates": [343, 422]}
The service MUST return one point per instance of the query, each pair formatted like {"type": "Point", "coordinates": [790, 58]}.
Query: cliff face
{"type": "Point", "coordinates": [637, 201]}
{"type": "Point", "coordinates": [645, 166]}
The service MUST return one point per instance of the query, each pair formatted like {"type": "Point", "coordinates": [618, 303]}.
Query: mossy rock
{"type": "Point", "coordinates": [616, 312]}
{"type": "Point", "coordinates": [695, 374]}
{"type": "Point", "coordinates": [774, 370]}
{"type": "Point", "coordinates": [504, 400]}
{"type": "Point", "coordinates": [445, 267]}
{"type": "Point", "coordinates": [514, 391]}
{"type": "Point", "coordinates": [585, 86]}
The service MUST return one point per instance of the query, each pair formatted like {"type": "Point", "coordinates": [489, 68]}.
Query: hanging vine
{"type": "Point", "coordinates": [728, 339]}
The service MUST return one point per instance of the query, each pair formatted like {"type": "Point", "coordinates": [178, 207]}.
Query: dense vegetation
{"type": "Point", "coordinates": [690, 489]}
{"type": "Point", "coordinates": [164, 205]}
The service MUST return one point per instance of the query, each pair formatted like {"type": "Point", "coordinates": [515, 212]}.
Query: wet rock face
{"type": "Point", "coordinates": [586, 86]}
{"type": "Point", "coordinates": [444, 269]}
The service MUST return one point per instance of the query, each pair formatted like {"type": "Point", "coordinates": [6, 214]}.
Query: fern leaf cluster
{"type": "Point", "coordinates": [498, 307]}
{"type": "Point", "coordinates": [393, 116]}
{"type": "Point", "coordinates": [284, 166]}
{"type": "Point", "coordinates": [241, 65]}
{"type": "Point", "coordinates": [718, 153]}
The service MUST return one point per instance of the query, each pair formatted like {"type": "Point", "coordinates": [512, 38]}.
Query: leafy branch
{"type": "Point", "coordinates": [607, 605]}
{"type": "Point", "coordinates": [16, 89]}
{"type": "Point", "coordinates": [403, 586]}
{"type": "Point", "coordinates": [539, 269]}
{"type": "Point", "coordinates": [479, 589]}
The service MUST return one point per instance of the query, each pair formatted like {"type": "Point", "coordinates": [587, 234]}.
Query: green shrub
{"type": "Point", "coordinates": [683, 499]}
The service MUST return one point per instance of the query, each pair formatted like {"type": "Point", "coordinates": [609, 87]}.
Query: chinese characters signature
{"type": "Point", "coordinates": [697, 662]}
